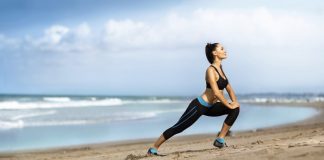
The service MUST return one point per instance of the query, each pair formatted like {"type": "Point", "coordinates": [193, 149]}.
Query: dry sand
{"type": "Point", "coordinates": [301, 140]}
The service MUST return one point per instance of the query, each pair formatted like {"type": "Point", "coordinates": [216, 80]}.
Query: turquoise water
{"type": "Point", "coordinates": [42, 122]}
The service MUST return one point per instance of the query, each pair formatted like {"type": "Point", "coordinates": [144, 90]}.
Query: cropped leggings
{"type": "Point", "coordinates": [198, 107]}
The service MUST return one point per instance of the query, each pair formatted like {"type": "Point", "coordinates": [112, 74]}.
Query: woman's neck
{"type": "Point", "coordinates": [217, 62]}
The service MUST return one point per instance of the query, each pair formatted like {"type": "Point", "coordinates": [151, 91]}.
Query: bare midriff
{"type": "Point", "coordinates": [208, 96]}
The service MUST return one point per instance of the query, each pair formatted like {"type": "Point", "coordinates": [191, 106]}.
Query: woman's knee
{"type": "Point", "coordinates": [230, 119]}
{"type": "Point", "coordinates": [236, 111]}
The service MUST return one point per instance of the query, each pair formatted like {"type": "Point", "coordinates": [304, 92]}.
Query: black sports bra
{"type": "Point", "coordinates": [221, 82]}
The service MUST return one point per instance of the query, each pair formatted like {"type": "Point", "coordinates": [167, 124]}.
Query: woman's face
{"type": "Point", "coordinates": [220, 52]}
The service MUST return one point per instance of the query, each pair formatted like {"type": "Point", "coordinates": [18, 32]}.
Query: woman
{"type": "Point", "coordinates": [211, 103]}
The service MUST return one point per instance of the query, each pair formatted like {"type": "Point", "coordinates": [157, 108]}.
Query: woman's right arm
{"type": "Point", "coordinates": [211, 77]}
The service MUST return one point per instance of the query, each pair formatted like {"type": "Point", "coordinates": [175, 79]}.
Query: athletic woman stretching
{"type": "Point", "coordinates": [211, 103]}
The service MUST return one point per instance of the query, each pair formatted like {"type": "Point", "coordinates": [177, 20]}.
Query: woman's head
{"type": "Point", "coordinates": [213, 51]}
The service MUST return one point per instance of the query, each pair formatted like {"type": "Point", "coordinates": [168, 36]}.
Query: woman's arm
{"type": "Point", "coordinates": [231, 93]}
{"type": "Point", "coordinates": [211, 77]}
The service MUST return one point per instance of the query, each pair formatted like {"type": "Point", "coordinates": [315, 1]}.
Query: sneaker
{"type": "Point", "coordinates": [152, 151]}
{"type": "Point", "coordinates": [220, 142]}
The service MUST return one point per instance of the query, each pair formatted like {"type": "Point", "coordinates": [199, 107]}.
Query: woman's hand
{"type": "Point", "coordinates": [234, 105]}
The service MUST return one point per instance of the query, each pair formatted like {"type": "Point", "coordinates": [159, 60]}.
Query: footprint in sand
{"type": "Point", "coordinates": [304, 143]}
{"type": "Point", "coordinates": [257, 142]}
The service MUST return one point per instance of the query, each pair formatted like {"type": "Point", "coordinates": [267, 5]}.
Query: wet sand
{"type": "Point", "coordinates": [300, 140]}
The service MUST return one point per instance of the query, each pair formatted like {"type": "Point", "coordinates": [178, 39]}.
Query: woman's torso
{"type": "Point", "coordinates": [221, 82]}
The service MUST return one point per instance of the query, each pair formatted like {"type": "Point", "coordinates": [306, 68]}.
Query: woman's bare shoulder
{"type": "Point", "coordinates": [210, 71]}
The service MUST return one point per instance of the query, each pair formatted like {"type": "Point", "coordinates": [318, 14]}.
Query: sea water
{"type": "Point", "coordinates": [38, 122]}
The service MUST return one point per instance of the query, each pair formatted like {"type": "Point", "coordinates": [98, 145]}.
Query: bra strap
{"type": "Point", "coordinates": [216, 69]}
{"type": "Point", "coordinates": [218, 72]}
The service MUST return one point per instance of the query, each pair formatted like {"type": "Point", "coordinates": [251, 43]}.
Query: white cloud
{"type": "Point", "coordinates": [54, 34]}
{"type": "Point", "coordinates": [62, 39]}
{"type": "Point", "coordinates": [51, 41]}
{"type": "Point", "coordinates": [268, 44]}
{"type": "Point", "coordinates": [257, 27]}
{"type": "Point", "coordinates": [127, 33]}
{"type": "Point", "coordinates": [83, 30]}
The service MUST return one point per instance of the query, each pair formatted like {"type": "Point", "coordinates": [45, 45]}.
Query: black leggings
{"type": "Point", "coordinates": [199, 107]}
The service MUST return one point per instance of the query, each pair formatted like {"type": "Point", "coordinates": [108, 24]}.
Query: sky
{"type": "Point", "coordinates": [146, 47]}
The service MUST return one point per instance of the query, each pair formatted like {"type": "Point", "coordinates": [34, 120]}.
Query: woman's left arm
{"type": "Point", "coordinates": [231, 93]}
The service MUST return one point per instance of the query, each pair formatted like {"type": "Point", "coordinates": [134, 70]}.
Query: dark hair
{"type": "Point", "coordinates": [210, 47]}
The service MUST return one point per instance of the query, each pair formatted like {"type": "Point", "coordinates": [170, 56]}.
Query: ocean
{"type": "Point", "coordinates": [43, 121]}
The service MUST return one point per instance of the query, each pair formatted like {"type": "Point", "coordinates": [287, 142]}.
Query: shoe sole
{"type": "Point", "coordinates": [218, 145]}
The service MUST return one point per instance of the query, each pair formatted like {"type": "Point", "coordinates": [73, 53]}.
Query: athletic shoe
{"type": "Point", "coordinates": [152, 151]}
{"type": "Point", "coordinates": [220, 142]}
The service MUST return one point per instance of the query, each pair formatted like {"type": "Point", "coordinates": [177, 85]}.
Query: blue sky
{"type": "Point", "coordinates": [157, 47]}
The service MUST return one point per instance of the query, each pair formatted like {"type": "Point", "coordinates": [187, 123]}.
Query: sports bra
{"type": "Point", "coordinates": [221, 82]}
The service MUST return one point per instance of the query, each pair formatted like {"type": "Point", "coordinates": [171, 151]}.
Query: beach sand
{"type": "Point", "coordinates": [300, 140]}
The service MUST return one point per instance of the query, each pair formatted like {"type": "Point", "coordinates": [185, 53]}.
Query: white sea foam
{"type": "Point", "coordinates": [5, 125]}
{"type": "Point", "coordinates": [35, 114]}
{"type": "Point", "coordinates": [282, 100]}
{"type": "Point", "coordinates": [18, 122]}
{"type": "Point", "coordinates": [57, 99]}
{"type": "Point", "coordinates": [143, 101]}
{"type": "Point", "coordinates": [47, 105]}
{"type": "Point", "coordinates": [64, 102]}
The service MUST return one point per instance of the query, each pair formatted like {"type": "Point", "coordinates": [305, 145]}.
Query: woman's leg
{"type": "Point", "coordinates": [189, 117]}
{"type": "Point", "coordinates": [219, 109]}
{"type": "Point", "coordinates": [159, 141]}
{"type": "Point", "coordinates": [224, 130]}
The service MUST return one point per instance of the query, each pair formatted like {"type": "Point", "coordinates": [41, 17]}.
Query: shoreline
{"type": "Point", "coordinates": [194, 146]}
